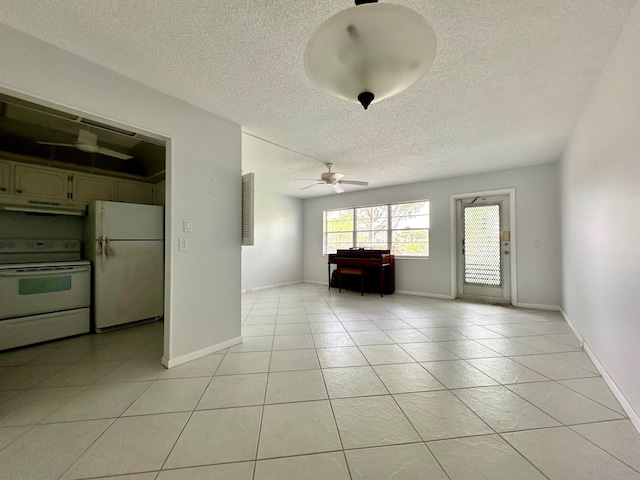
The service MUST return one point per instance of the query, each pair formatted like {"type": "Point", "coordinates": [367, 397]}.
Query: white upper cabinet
{"type": "Point", "coordinates": [41, 182]}
{"type": "Point", "coordinates": [46, 183]}
{"type": "Point", "coordinates": [5, 177]}
{"type": "Point", "coordinates": [87, 188]}
{"type": "Point", "coordinates": [135, 192]}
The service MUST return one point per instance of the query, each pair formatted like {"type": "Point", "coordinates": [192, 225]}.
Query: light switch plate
{"type": "Point", "coordinates": [187, 226]}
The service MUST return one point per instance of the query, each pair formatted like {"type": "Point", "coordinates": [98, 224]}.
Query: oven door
{"type": "Point", "coordinates": [30, 291]}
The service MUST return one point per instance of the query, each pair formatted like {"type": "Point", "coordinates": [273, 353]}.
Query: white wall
{"type": "Point", "coordinates": [537, 219]}
{"type": "Point", "coordinates": [276, 256]}
{"type": "Point", "coordinates": [600, 185]}
{"type": "Point", "coordinates": [203, 180]}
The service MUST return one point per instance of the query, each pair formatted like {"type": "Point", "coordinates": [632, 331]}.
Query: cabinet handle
{"type": "Point", "coordinates": [3, 189]}
{"type": "Point", "coordinates": [18, 191]}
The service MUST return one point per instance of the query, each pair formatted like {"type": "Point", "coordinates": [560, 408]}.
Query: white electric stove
{"type": "Point", "coordinates": [45, 291]}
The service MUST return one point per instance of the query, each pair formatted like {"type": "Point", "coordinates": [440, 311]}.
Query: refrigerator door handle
{"type": "Point", "coordinates": [108, 250]}
{"type": "Point", "coordinates": [103, 254]}
{"type": "Point", "coordinates": [104, 241]}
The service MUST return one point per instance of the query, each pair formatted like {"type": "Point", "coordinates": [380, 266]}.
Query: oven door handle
{"type": "Point", "coordinates": [47, 273]}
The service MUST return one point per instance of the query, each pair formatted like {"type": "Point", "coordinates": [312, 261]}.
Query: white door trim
{"type": "Point", "coordinates": [509, 192]}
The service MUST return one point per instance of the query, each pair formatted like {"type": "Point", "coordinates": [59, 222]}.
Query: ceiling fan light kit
{"type": "Point", "coordinates": [370, 52]}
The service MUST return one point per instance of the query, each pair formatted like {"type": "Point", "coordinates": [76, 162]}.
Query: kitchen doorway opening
{"type": "Point", "coordinates": [41, 146]}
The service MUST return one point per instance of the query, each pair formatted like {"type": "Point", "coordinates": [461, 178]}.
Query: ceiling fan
{"type": "Point", "coordinates": [88, 142]}
{"type": "Point", "coordinates": [334, 180]}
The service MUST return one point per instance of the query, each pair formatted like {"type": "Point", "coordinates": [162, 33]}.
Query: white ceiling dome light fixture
{"type": "Point", "coordinates": [370, 52]}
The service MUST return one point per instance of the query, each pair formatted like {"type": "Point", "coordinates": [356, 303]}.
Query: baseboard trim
{"type": "Point", "coordinates": [403, 292]}
{"type": "Point", "coordinates": [188, 357]}
{"type": "Point", "coordinates": [572, 327]}
{"type": "Point", "coordinates": [538, 306]}
{"type": "Point", "coordinates": [423, 294]}
{"type": "Point", "coordinates": [634, 417]}
{"type": "Point", "coordinates": [267, 287]}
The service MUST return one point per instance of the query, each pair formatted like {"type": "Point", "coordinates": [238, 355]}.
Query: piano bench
{"type": "Point", "coordinates": [351, 271]}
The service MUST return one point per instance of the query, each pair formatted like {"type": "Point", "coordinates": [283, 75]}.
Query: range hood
{"type": "Point", "coordinates": [27, 205]}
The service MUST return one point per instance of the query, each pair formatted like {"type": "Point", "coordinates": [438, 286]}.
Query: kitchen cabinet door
{"type": "Point", "coordinates": [5, 177]}
{"type": "Point", "coordinates": [41, 182]}
{"type": "Point", "coordinates": [87, 188]}
{"type": "Point", "coordinates": [135, 192]}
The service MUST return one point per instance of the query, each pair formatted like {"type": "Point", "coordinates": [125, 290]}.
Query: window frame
{"type": "Point", "coordinates": [356, 219]}
{"type": "Point", "coordinates": [389, 226]}
{"type": "Point", "coordinates": [326, 233]}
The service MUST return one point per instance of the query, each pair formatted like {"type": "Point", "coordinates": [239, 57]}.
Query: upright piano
{"type": "Point", "coordinates": [379, 265]}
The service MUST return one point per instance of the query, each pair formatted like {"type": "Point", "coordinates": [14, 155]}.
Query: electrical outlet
{"type": "Point", "coordinates": [184, 245]}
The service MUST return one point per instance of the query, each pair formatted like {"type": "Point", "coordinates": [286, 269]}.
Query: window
{"type": "Point", "coordinates": [338, 229]}
{"type": "Point", "coordinates": [402, 228]}
{"type": "Point", "coordinates": [371, 227]}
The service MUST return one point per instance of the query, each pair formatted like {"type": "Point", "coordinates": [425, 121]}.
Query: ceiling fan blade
{"type": "Point", "coordinates": [58, 144]}
{"type": "Point", "coordinates": [85, 136]}
{"type": "Point", "coordinates": [353, 182]}
{"type": "Point", "coordinates": [337, 188]}
{"type": "Point", "coordinates": [309, 186]}
{"type": "Point", "coordinates": [88, 142]}
{"type": "Point", "coordinates": [113, 153]}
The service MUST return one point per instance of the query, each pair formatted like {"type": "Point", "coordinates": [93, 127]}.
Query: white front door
{"type": "Point", "coordinates": [483, 248]}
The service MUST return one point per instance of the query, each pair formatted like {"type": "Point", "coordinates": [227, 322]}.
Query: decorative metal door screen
{"type": "Point", "coordinates": [482, 245]}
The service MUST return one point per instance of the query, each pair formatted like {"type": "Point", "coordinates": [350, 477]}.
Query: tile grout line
{"type": "Point", "coordinates": [113, 420]}
{"type": "Point", "coordinates": [264, 401]}
{"type": "Point", "coordinates": [333, 413]}
{"type": "Point", "coordinates": [598, 446]}
{"type": "Point", "coordinates": [528, 460]}
{"type": "Point", "coordinates": [164, 462]}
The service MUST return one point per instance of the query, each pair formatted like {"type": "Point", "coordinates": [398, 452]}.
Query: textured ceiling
{"type": "Point", "coordinates": [507, 86]}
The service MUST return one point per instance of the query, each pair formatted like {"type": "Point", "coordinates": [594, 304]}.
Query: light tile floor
{"type": "Point", "coordinates": [325, 386]}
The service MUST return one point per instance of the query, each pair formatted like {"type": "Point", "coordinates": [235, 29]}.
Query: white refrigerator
{"type": "Point", "coordinates": [125, 244]}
